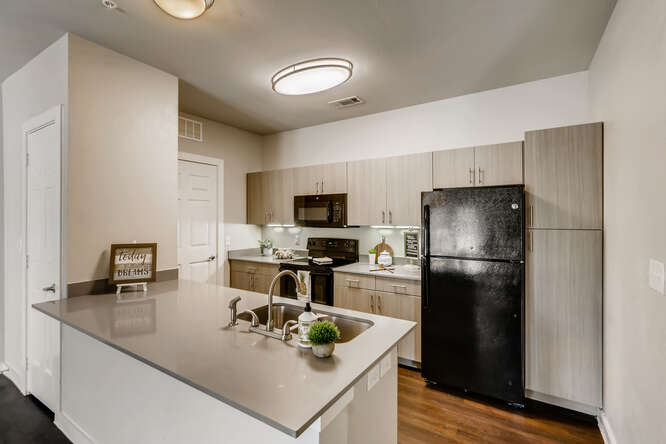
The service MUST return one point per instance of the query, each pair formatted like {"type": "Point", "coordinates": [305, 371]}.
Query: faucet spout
{"type": "Point", "coordinates": [299, 285]}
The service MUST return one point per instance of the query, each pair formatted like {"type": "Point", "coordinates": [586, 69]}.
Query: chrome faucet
{"type": "Point", "coordinates": [300, 289]}
{"type": "Point", "coordinates": [285, 334]}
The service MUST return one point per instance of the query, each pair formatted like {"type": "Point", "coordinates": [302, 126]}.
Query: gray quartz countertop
{"type": "Point", "coordinates": [399, 272]}
{"type": "Point", "coordinates": [262, 259]}
{"type": "Point", "coordinates": [275, 382]}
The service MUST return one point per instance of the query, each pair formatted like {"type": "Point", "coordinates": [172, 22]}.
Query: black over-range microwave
{"type": "Point", "coordinates": [323, 210]}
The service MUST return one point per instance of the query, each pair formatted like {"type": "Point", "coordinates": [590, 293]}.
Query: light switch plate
{"type": "Point", "coordinates": [227, 243]}
{"type": "Point", "coordinates": [656, 276]}
{"type": "Point", "coordinates": [385, 365]}
{"type": "Point", "coordinates": [373, 377]}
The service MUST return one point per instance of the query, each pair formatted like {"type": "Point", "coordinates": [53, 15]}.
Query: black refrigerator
{"type": "Point", "coordinates": [472, 292]}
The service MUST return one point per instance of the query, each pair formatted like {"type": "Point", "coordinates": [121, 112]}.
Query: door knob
{"type": "Point", "coordinates": [50, 288]}
{"type": "Point", "coordinates": [211, 258]}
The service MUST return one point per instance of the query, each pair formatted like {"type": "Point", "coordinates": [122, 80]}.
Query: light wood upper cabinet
{"type": "Point", "coordinates": [256, 207]}
{"type": "Point", "coordinates": [407, 176]}
{"type": "Point", "coordinates": [321, 179]}
{"type": "Point", "coordinates": [366, 199]}
{"type": "Point", "coordinates": [270, 197]}
{"type": "Point", "coordinates": [453, 168]}
{"type": "Point", "coordinates": [563, 314]}
{"type": "Point", "coordinates": [564, 177]}
{"type": "Point", "coordinates": [500, 164]}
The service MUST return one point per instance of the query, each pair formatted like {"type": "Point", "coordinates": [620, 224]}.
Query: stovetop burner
{"type": "Point", "coordinates": [342, 251]}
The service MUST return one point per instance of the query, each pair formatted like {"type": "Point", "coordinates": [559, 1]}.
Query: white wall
{"type": "Point", "coordinates": [2, 248]}
{"type": "Point", "coordinates": [123, 159]}
{"type": "Point", "coordinates": [39, 85]}
{"type": "Point", "coordinates": [499, 115]}
{"type": "Point", "coordinates": [242, 153]}
{"type": "Point", "coordinates": [628, 90]}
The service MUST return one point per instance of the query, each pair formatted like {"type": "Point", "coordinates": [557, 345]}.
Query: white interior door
{"type": "Point", "coordinates": [197, 221]}
{"type": "Point", "coordinates": [42, 143]}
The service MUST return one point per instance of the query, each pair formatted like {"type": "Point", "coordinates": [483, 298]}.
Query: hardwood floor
{"type": "Point", "coordinates": [427, 415]}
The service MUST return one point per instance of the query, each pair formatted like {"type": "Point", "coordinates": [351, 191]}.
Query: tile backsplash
{"type": "Point", "coordinates": [297, 237]}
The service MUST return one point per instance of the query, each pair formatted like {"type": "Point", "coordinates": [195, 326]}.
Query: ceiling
{"type": "Point", "coordinates": [404, 52]}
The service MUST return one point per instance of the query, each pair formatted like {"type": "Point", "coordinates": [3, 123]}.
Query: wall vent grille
{"type": "Point", "coordinates": [347, 102]}
{"type": "Point", "coordinates": [190, 129]}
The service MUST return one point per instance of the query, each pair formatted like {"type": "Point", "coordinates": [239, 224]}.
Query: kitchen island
{"type": "Point", "coordinates": [166, 367]}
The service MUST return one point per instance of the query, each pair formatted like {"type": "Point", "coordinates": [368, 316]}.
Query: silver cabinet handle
{"type": "Point", "coordinates": [471, 171]}
{"type": "Point", "coordinates": [390, 217]}
{"type": "Point", "coordinates": [379, 303]}
{"type": "Point", "coordinates": [399, 286]}
{"type": "Point", "coordinates": [322, 186]}
{"type": "Point", "coordinates": [531, 240]}
{"type": "Point", "coordinates": [372, 303]}
{"type": "Point", "coordinates": [316, 187]}
{"type": "Point", "coordinates": [50, 288]}
{"type": "Point", "coordinates": [211, 258]}
{"type": "Point", "coordinates": [383, 217]}
{"type": "Point", "coordinates": [531, 215]}
{"type": "Point", "coordinates": [480, 181]}
{"type": "Point", "coordinates": [351, 281]}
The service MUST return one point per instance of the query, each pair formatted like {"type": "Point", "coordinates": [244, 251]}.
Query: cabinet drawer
{"type": "Point", "coordinates": [253, 267]}
{"type": "Point", "coordinates": [399, 286]}
{"type": "Point", "coordinates": [354, 281]}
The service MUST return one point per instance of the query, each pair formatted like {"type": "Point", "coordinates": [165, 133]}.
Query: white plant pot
{"type": "Point", "coordinates": [267, 251]}
{"type": "Point", "coordinates": [371, 259]}
{"type": "Point", "coordinates": [323, 350]}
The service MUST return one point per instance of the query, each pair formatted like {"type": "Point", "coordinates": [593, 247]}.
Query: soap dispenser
{"type": "Point", "coordinates": [306, 318]}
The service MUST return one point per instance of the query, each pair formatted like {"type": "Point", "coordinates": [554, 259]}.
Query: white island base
{"type": "Point", "coordinates": [110, 397]}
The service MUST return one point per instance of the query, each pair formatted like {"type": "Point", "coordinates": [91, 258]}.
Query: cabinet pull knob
{"type": "Point", "coordinates": [399, 286]}
{"type": "Point", "coordinates": [471, 171]}
{"type": "Point", "coordinates": [322, 186]}
{"type": "Point", "coordinates": [379, 303]}
{"type": "Point", "coordinates": [372, 303]}
{"type": "Point", "coordinates": [390, 217]}
{"type": "Point", "coordinates": [383, 217]}
{"type": "Point", "coordinates": [480, 181]}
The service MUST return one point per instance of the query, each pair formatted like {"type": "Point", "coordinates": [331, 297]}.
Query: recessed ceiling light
{"type": "Point", "coordinates": [312, 76]}
{"type": "Point", "coordinates": [184, 9]}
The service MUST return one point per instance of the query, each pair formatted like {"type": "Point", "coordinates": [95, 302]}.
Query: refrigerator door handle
{"type": "Point", "coordinates": [425, 258]}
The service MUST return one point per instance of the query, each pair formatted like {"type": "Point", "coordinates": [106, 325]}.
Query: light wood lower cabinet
{"type": "Point", "coordinates": [253, 276]}
{"type": "Point", "coordinates": [564, 316]}
{"type": "Point", "coordinates": [349, 293]}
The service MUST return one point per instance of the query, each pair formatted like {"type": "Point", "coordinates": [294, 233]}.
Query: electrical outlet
{"type": "Point", "coordinates": [373, 377]}
{"type": "Point", "coordinates": [656, 276]}
{"type": "Point", "coordinates": [386, 364]}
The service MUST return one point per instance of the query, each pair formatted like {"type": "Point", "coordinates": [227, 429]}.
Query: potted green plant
{"type": "Point", "coordinates": [266, 246]}
{"type": "Point", "coordinates": [372, 254]}
{"type": "Point", "coordinates": [323, 335]}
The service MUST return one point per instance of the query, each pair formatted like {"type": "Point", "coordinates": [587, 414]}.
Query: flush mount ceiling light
{"type": "Point", "coordinates": [312, 76]}
{"type": "Point", "coordinates": [184, 9]}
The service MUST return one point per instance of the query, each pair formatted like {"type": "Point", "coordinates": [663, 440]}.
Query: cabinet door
{"type": "Point", "coordinates": [305, 182]}
{"type": "Point", "coordinates": [240, 280]}
{"type": "Point", "coordinates": [256, 202]}
{"type": "Point", "coordinates": [453, 168]}
{"type": "Point", "coordinates": [563, 314]}
{"type": "Point", "coordinates": [333, 178]}
{"type": "Point", "coordinates": [500, 164]}
{"type": "Point", "coordinates": [406, 178]}
{"type": "Point", "coordinates": [563, 177]}
{"type": "Point", "coordinates": [358, 299]}
{"type": "Point", "coordinates": [366, 199]}
{"type": "Point", "coordinates": [281, 196]}
{"type": "Point", "coordinates": [403, 307]}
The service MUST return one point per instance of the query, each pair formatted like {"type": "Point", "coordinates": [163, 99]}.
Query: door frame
{"type": "Point", "coordinates": [52, 116]}
{"type": "Point", "coordinates": [219, 247]}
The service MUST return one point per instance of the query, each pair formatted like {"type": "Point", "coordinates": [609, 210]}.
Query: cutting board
{"type": "Point", "coordinates": [383, 246]}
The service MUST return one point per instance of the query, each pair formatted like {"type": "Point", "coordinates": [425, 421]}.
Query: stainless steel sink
{"type": "Point", "coordinates": [349, 327]}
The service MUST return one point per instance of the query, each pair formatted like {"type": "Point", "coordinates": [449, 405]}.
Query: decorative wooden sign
{"type": "Point", "coordinates": [411, 244]}
{"type": "Point", "coordinates": [132, 263]}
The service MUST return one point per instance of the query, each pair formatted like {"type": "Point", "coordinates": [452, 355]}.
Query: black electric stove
{"type": "Point", "coordinates": [342, 251]}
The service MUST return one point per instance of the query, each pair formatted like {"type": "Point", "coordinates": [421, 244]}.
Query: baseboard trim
{"type": "Point", "coordinates": [71, 429]}
{"type": "Point", "coordinates": [606, 429]}
{"type": "Point", "coordinates": [565, 403]}
{"type": "Point", "coordinates": [17, 378]}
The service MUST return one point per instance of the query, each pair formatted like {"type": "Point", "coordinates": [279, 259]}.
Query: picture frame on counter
{"type": "Point", "coordinates": [132, 263]}
{"type": "Point", "coordinates": [411, 244]}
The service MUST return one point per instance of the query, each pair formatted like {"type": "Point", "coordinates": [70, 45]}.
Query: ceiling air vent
{"type": "Point", "coordinates": [190, 129]}
{"type": "Point", "coordinates": [347, 102]}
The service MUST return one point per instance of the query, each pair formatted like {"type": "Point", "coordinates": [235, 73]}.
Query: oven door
{"type": "Point", "coordinates": [321, 285]}
{"type": "Point", "coordinates": [326, 210]}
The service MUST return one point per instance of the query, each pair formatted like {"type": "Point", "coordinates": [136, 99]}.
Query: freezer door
{"type": "Point", "coordinates": [476, 223]}
{"type": "Point", "coordinates": [472, 326]}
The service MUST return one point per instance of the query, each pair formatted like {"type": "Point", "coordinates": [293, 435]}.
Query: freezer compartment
{"type": "Point", "coordinates": [472, 326]}
{"type": "Point", "coordinates": [475, 223]}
